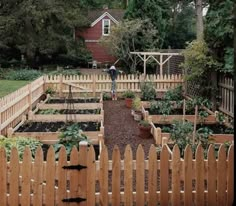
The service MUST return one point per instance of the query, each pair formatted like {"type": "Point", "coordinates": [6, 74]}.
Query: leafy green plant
{"type": "Point", "coordinates": [50, 91]}
{"type": "Point", "coordinates": [49, 111]}
{"type": "Point", "coordinates": [181, 134]}
{"type": "Point", "coordinates": [70, 137]}
{"type": "Point", "coordinates": [128, 94]}
{"type": "Point", "coordinates": [20, 143]}
{"type": "Point", "coordinates": [148, 91]}
{"type": "Point", "coordinates": [203, 115]}
{"type": "Point", "coordinates": [220, 117]}
{"type": "Point", "coordinates": [23, 74]}
{"type": "Point", "coordinates": [174, 94]}
{"type": "Point", "coordinates": [144, 123]}
{"type": "Point", "coordinates": [66, 72]}
{"type": "Point", "coordinates": [106, 96]}
{"type": "Point", "coordinates": [161, 107]}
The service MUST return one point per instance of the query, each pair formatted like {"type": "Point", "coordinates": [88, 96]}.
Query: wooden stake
{"type": "Point", "coordinates": [184, 108]}
{"type": "Point", "coordinates": [195, 123]}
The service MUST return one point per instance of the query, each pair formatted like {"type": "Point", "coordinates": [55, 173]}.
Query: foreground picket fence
{"type": "Point", "coordinates": [164, 178]}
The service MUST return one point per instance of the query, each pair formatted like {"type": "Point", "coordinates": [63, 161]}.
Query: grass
{"type": "Point", "coordinates": [9, 86]}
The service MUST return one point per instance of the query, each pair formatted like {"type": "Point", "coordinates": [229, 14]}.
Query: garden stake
{"type": "Point", "coordinates": [184, 110]}
{"type": "Point", "coordinates": [195, 124]}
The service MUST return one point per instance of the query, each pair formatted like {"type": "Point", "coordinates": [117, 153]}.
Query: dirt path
{"type": "Point", "coordinates": [121, 129]}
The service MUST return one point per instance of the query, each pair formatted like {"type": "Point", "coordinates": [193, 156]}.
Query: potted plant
{"type": "Point", "coordinates": [144, 129]}
{"type": "Point", "coordinates": [128, 95]}
{"type": "Point", "coordinates": [136, 106]}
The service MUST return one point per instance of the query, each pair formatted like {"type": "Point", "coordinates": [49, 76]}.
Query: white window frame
{"type": "Point", "coordinates": [109, 27]}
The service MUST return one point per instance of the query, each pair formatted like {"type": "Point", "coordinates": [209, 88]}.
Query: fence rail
{"type": "Point", "coordinates": [226, 91]}
{"type": "Point", "coordinates": [164, 178]}
{"type": "Point", "coordinates": [18, 103]}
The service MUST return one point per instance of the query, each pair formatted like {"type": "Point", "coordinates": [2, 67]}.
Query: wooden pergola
{"type": "Point", "coordinates": [145, 56]}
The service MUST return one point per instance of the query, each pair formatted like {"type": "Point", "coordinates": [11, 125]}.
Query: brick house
{"type": "Point", "coordinates": [101, 22]}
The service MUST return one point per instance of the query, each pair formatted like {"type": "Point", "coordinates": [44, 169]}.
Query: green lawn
{"type": "Point", "coordinates": [8, 86]}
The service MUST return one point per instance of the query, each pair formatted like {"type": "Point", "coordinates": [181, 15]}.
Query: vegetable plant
{"type": "Point", "coordinates": [148, 91]}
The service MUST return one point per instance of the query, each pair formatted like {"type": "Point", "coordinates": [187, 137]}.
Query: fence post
{"type": "Point", "coordinates": [60, 85]}
{"type": "Point", "coordinates": [30, 96]}
{"type": "Point", "coordinates": [94, 85]}
{"type": "Point", "coordinates": [0, 117]}
{"type": "Point", "coordinates": [82, 183]}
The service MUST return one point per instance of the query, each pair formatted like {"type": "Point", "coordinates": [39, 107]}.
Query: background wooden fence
{"type": "Point", "coordinates": [97, 83]}
{"type": "Point", "coordinates": [226, 91]}
{"type": "Point", "coordinates": [18, 103]}
{"type": "Point", "coordinates": [163, 178]}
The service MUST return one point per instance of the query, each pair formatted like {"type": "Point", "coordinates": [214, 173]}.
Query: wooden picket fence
{"type": "Point", "coordinates": [18, 103]}
{"type": "Point", "coordinates": [97, 83]}
{"type": "Point", "coordinates": [164, 178]}
{"type": "Point", "coordinates": [226, 91]}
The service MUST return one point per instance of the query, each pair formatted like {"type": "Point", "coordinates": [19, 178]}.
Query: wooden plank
{"type": "Point", "coordinates": [176, 168]}
{"type": "Point", "coordinates": [128, 176]}
{"type": "Point", "coordinates": [38, 178]}
{"type": "Point", "coordinates": [188, 196]}
{"type": "Point", "coordinates": [152, 177]}
{"type": "Point", "coordinates": [230, 176]}
{"type": "Point", "coordinates": [103, 177]}
{"type": "Point", "coordinates": [91, 176]}
{"type": "Point", "coordinates": [50, 177]}
{"type": "Point", "coordinates": [211, 176]}
{"type": "Point", "coordinates": [26, 177]}
{"type": "Point", "coordinates": [116, 176]}
{"type": "Point", "coordinates": [221, 179]}
{"type": "Point", "coordinates": [140, 175]}
{"type": "Point", "coordinates": [199, 176]}
{"type": "Point", "coordinates": [3, 176]}
{"type": "Point", "coordinates": [14, 178]}
{"type": "Point", "coordinates": [82, 186]}
{"type": "Point", "coordinates": [62, 184]}
{"type": "Point", "coordinates": [164, 176]}
{"type": "Point", "coordinates": [74, 175]}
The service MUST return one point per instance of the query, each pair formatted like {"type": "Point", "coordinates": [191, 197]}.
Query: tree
{"type": "Point", "coordinates": [219, 33]}
{"type": "Point", "coordinates": [39, 29]}
{"type": "Point", "coordinates": [158, 11]}
{"type": "Point", "coordinates": [128, 36]}
{"type": "Point", "coordinates": [199, 15]}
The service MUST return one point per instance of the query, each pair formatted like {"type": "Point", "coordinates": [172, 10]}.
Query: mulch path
{"type": "Point", "coordinates": [121, 129]}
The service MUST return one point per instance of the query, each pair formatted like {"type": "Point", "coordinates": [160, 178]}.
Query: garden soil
{"type": "Point", "coordinates": [121, 129]}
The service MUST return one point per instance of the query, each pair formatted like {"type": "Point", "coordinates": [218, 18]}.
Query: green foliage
{"type": "Point", "coordinates": [106, 96]}
{"type": "Point", "coordinates": [20, 143]}
{"type": "Point", "coordinates": [48, 111]}
{"type": "Point", "coordinates": [181, 134]}
{"type": "Point", "coordinates": [161, 107]}
{"type": "Point", "coordinates": [136, 104]}
{"type": "Point", "coordinates": [128, 94]}
{"type": "Point", "coordinates": [144, 123]}
{"type": "Point", "coordinates": [228, 61]}
{"type": "Point", "coordinates": [174, 94]}
{"type": "Point", "coordinates": [65, 72]}
{"type": "Point", "coordinates": [128, 36]}
{"type": "Point", "coordinates": [197, 60]}
{"type": "Point", "coordinates": [148, 91]}
{"type": "Point", "coordinates": [50, 91]}
{"type": "Point", "coordinates": [22, 74]}
{"type": "Point", "coordinates": [70, 137]}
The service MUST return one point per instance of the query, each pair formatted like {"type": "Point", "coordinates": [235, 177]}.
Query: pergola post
{"type": "Point", "coordinates": [144, 65]}
{"type": "Point", "coordinates": [161, 65]}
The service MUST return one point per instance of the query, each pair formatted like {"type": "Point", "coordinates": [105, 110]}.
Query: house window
{"type": "Point", "coordinates": [106, 27]}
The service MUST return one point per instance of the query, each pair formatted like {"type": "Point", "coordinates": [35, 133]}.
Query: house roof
{"type": "Point", "coordinates": [117, 14]}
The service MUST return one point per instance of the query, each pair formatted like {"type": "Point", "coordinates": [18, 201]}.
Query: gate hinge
{"type": "Point", "coordinates": [75, 167]}
{"type": "Point", "coordinates": [76, 199]}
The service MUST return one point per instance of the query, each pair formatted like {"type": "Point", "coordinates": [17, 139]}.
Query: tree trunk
{"type": "Point", "coordinates": [199, 15]}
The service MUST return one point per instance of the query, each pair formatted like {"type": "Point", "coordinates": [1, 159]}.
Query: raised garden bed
{"type": "Point", "coordinates": [48, 132]}
{"type": "Point", "coordinates": [221, 133]}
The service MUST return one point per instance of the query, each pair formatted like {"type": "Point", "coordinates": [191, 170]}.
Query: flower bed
{"type": "Point", "coordinates": [48, 132]}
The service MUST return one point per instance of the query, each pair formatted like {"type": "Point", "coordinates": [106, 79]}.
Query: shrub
{"type": "Point", "coordinates": [23, 74]}
{"type": "Point", "coordinates": [174, 94]}
{"type": "Point", "coordinates": [148, 91]}
{"type": "Point", "coordinates": [20, 143]}
{"type": "Point", "coordinates": [128, 94]}
{"type": "Point", "coordinates": [65, 72]}
{"type": "Point", "coordinates": [136, 104]}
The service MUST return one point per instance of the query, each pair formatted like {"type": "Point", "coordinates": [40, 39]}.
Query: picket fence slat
{"type": "Point", "coordinates": [205, 181]}
{"type": "Point", "coordinates": [128, 176]}
{"type": "Point", "coordinates": [26, 177]}
{"type": "Point", "coordinates": [103, 177]}
{"type": "Point", "coordinates": [116, 176]}
{"type": "Point", "coordinates": [211, 168]}
{"type": "Point", "coordinates": [140, 175]}
{"type": "Point", "coordinates": [221, 179]}
{"type": "Point", "coordinates": [3, 177]}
